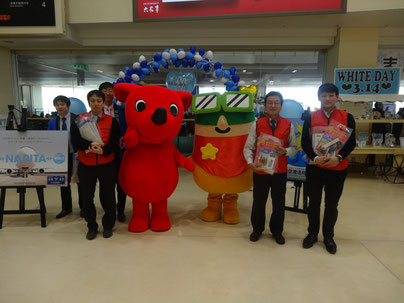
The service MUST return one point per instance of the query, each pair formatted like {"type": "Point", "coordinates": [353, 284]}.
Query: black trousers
{"type": "Point", "coordinates": [88, 175]}
{"type": "Point", "coordinates": [65, 191]}
{"type": "Point", "coordinates": [332, 181]}
{"type": "Point", "coordinates": [262, 183]}
{"type": "Point", "coordinates": [120, 206]}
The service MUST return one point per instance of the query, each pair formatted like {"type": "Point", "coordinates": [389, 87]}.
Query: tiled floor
{"type": "Point", "coordinates": [208, 262]}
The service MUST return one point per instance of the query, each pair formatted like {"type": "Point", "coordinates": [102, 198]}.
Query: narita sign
{"type": "Point", "coordinates": [367, 81]}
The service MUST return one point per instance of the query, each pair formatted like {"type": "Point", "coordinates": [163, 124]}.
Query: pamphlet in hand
{"type": "Point", "coordinates": [333, 139]}
{"type": "Point", "coordinates": [266, 154]}
{"type": "Point", "coordinates": [88, 128]}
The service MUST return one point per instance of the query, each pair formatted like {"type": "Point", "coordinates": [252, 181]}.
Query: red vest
{"type": "Point", "coordinates": [318, 118]}
{"type": "Point", "coordinates": [104, 127]}
{"type": "Point", "coordinates": [282, 131]}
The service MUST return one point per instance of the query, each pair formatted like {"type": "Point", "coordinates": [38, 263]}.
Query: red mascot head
{"type": "Point", "coordinates": [155, 112]}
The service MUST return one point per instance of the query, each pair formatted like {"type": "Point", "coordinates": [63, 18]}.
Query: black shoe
{"type": "Point", "coordinates": [121, 217]}
{"type": "Point", "coordinates": [82, 213]}
{"type": "Point", "coordinates": [91, 235]}
{"type": "Point", "coordinates": [63, 213]}
{"type": "Point", "coordinates": [279, 239]}
{"type": "Point", "coordinates": [255, 236]}
{"type": "Point", "coordinates": [330, 245]}
{"type": "Point", "coordinates": [309, 240]}
{"type": "Point", "coordinates": [107, 233]}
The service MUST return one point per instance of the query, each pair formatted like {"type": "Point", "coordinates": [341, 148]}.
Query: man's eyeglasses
{"type": "Point", "coordinates": [229, 102]}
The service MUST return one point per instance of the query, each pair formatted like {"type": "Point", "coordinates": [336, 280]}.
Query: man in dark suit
{"type": "Point", "coordinates": [63, 122]}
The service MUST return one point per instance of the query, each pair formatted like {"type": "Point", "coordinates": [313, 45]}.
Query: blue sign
{"type": "Point", "coordinates": [367, 81]}
{"type": "Point", "coordinates": [56, 180]}
{"type": "Point", "coordinates": [181, 81]}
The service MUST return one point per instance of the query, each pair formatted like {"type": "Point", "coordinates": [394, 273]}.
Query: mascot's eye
{"type": "Point", "coordinates": [140, 105]}
{"type": "Point", "coordinates": [174, 109]}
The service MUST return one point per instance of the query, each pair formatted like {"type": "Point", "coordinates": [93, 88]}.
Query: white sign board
{"type": "Point", "coordinates": [33, 158]}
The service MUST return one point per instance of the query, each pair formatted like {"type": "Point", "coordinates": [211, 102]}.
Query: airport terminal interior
{"type": "Point", "coordinates": [292, 48]}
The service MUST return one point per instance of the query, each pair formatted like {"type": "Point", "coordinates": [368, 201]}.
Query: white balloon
{"type": "Point", "coordinates": [198, 57]}
{"type": "Point", "coordinates": [142, 58]}
{"type": "Point", "coordinates": [214, 74]}
{"type": "Point", "coordinates": [166, 55]}
{"type": "Point", "coordinates": [173, 51]}
{"type": "Point", "coordinates": [121, 74]}
{"type": "Point", "coordinates": [136, 65]}
{"type": "Point", "coordinates": [181, 55]}
{"type": "Point", "coordinates": [209, 55]}
{"type": "Point", "coordinates": [135, 77]}
{"type": "Point", "coordinates": [224, 80]}
{"type": "Point", "coordinates": [241, 83]}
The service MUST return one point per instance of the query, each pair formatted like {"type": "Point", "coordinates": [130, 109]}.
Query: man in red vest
{"type": "Point", "coordinates": [325, 171]}
{"type": "Point", "coordinates": [97, 162]}
{"type": "Point", "coordinates": [281, 128]}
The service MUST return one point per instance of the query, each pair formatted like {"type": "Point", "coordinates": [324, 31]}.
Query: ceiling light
{"type": "Point", "coordinates": [100, 71]}
{"type": "Point", "coordinates": [211, 80]}
{"type": "Point", "coordinates": [294, 71]}
{"type": "Point", "coordinates": [254, 81]}
{"type": "Point", "coordinates": [244, 70]}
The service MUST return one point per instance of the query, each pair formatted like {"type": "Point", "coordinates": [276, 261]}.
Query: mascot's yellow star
{"type": "Point", "coordinates": [209, 152]}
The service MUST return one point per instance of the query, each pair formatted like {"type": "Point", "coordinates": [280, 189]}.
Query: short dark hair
{"type": "Point", "coordinates": [61, 98]}
{"type": "Point", "coordinates": [273, 93]}
{"type": "Point", "coordinates": [97, 93]}
{"type": "Point", "coordinates": [105, 85]}
{"type": "Point", "coordinates": [327, 88]}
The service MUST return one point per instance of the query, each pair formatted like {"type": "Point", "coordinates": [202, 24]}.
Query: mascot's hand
{"type": "Point", "coordinates": [187, 164]}
{"type": "Point", "coordinates": [131, 138]}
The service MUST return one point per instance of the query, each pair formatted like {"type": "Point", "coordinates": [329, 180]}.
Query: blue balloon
{"type": "Point", "coordinates": [201, 51]}
{"type": "Point", "coordinates": [232, 70]}
{"type": "Point", "coordinates": [218, 65]}
{"type": "Point", "coordinates": [199, 64]}
{"type": "Point", "coordinates": [234, 88]}
{"type": "Point", "coordinates": [164, 63]}
{"type": "Point", "coordinates": [156, 66]}
{"type": "Point", "coordinates": [206, 68]}
{"type": "Point", "coordinates": [143, 63]}
{"type": "Point", "coordinates": [291, 109]}
{"type": "Point", "coordinates": [219, 73]}
{"type": "Point", "coordinates": [77, 106]}
{"type": "Point", "coordinates": [177, 63]}
{"type": "Point", "coordinates": [166, 50]}
{"type": "Point", "coordinates": [128, 79]}
{"type": "Point", "coordinates": [235, 78]}
{"type": "Point", "coordinates": [192, 49]}
{"type": "Point", "coordinates": [126, 69]}
{"type": "Point", "coordinates": [145, 71]}
{"type": "Point", "coordinates": [184, 62]}
{"type": "Point", "coordinates": [137, 71]}
{"type": "Point", "coordinates": [120, 80]}
{"type": "Point", "coordinates": [173, 58]}
{"type": "Point", "coordinates": [228, 88]}
{"type": "Point", "coordinates": [189, 55]}
{"type": "Point", "coordinates": [191, 63]}
{"type": "Point", "coordinates": [180, 50]}
{"type": "Point", "coordinates": [158, 56]}
{"type": "Point", "coordinates": [229, 83]}
{"type": "Point", "coordinates": [226, 74]}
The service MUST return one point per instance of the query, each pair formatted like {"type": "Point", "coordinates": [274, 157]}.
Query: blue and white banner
{"type": "Point", "coordinates": [367, 81]}
{"type": "Point", "coordinates": [33, 158]}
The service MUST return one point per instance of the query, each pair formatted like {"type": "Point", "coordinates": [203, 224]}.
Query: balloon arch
{"type": "Point", "coordinates": [199, 59]}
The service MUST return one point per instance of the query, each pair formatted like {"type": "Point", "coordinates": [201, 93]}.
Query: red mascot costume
{"type": "Point", "coordinates": [149, 173]}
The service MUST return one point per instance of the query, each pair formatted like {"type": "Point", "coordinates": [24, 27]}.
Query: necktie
{"type": "Point", "coordinates": [64, 126]}
{"type": "Point", "coordinates": [273, 126]}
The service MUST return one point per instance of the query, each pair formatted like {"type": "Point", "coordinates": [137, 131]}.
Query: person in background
{"type": "Point", "coordinates": [272, 124]}
{"type": "Point", "coordinates": [63, 122]}
{"type": "Point", "coordinates": [97, 162]}
{"type": "Point", "coordinates": [112, 108]}
{"type": "Point", "coordinates": [326, 173]}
